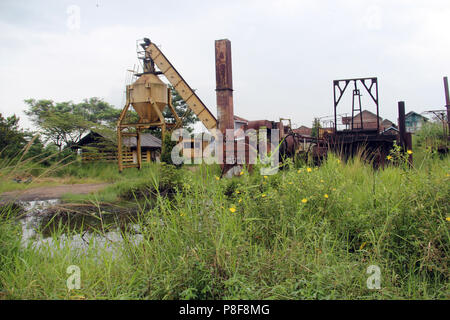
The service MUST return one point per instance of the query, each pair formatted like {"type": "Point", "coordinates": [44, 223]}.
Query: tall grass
{"type": "Point", "coordinates": [33, 173]}
{"type": "Point", "coordinates": [307, 233]}
{"type": "Point", "coordinates": [30, 169]}
{"type": "Point", "coordinates": [430, 135]}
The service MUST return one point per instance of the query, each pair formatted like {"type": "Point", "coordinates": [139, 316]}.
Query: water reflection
{"type": "Point", "coordinates": [39, 221]}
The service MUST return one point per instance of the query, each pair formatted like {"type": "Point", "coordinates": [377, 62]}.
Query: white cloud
{"type": "Point", "coordinates": [285, 53]}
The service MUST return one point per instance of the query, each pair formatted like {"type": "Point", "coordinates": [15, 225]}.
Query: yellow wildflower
{"type": "Point", "coordinates": [299, 170]}
{"type": "Point", "coordinates": [304, 200]}
{"type": "Point", "coordinates": [309, 169]}
{"type": "Point", "coordinates": [263, 195]}
{"type": "Point", "coordinates": [326, 196]}
{"type": "Point", "coordinates": [322, 181]}
{"type": "Point", "coordinates": [265, 177]}
{"type": "Point", "coordinates": [237, 192]}
{"type": "Point", "coordinates": [217, 178]}
{"type": "Point", "coordinates": [290, 182]}
{"type": "Point", "coordinates": [409, 151]}
{"type": "Point", "coordinates": [448, 218]}
{"type": "Point", "coordinates": [241, 173]}
{"type": "Point", "coordinates": [389, 157]}
{"type": "Point", "coordinates": [233, 209]}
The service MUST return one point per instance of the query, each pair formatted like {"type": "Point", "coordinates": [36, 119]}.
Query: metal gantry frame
{"type": "Point", "coordinates": [371, 88]}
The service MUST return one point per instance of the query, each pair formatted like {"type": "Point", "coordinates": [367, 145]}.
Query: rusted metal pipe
{"type": "Point", "coordinates": [402, 124]}
{"type": "Point", "coordinates": [224, 85]}
{"type": "Point", "coordinates": [447, 101]}
{"type": "Point", "coordinates": [257, 124]}
{"type": "Point", "coordinates": [405, 137]}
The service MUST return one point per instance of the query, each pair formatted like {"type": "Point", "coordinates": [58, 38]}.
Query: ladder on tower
{"type": "Point", "coordinates": [357, 95]}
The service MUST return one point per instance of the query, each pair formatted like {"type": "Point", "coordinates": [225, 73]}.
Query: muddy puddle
{"type": "Point", "coordinates": [51, 224]}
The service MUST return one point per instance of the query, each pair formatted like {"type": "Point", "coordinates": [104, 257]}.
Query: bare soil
{"type": "Point", "coordinates": [54, 192]}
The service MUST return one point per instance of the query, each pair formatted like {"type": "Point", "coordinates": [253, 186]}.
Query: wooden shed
{"type": "Point", "coordinates": [96, 146]}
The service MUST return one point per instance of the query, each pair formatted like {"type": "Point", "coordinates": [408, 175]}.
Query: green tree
{"type": "Point", "coordinates": [40, 152]}
{"type": "Point", "coordinates": [182, 110]}
{"type": "Point", "coordinates": [12, 138]}
{"type": "Point", "coordinates": [167, 149]}
{"type": "Point", "coordinates": [64, 123]}
{"type": "Point", "coordinates": [315, 128]}
{"type": "Point", "coordinates": [98, 111]}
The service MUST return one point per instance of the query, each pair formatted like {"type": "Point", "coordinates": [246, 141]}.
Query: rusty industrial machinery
{"type": "Point", "coordinates": [447, 103]}
{"type": "Point", "coordinates": [352, 134]}
{"type": "Point", "coordinates": [149, 96]}
{"type": "Point", "coordinates": [443, 116]}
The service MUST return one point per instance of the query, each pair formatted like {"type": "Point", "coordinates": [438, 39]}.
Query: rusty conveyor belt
{"type": "Point", "coordinates": [183, 89]}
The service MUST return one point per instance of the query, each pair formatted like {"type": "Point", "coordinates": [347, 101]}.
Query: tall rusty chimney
{"type": "Point", "coordinates": [224, 85]}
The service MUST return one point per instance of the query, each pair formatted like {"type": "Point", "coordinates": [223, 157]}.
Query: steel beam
{"type": "Point", "coordinates": [402, 123]}
{"type": "Point", "coordinates": [447, 102]}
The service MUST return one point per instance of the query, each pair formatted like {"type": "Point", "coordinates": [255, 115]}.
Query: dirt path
{"type": "Point", "coordinates": [55, 192]}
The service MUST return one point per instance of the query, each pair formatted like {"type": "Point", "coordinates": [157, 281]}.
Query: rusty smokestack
{"type": "Point", "coordinates": [224, 85]}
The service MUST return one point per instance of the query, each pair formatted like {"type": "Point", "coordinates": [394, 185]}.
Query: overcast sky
{"type": "Point", "coordinates": [285, 53]}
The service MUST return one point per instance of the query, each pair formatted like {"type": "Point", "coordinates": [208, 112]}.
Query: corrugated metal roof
{"type": "Point", "coordinates": [147, 140]}
{"type": "Point", "coordinates": [240, 119]}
